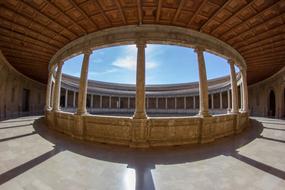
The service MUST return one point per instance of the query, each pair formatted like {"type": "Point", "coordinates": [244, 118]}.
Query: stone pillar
{"type": "Point", "coordinates": [82, 94]}
{"type": "Point", "coordinates": [212, 101]}
{"type": "Point", "coordinates": [140, 83]}
{"type": "Point", "coordinates": [194, 102]}
{"type": "Point", "coordinates": [57, 87]}
{"type": "Point", "coordinates": [129, 103]}
{"type": "Point", "coordinates": [119, 103]}
{"type": "Point", "coordinates": [110, 102]}
{"type": "Point", "coordinates": [156, 102]}
{"type": "Point", "coordinates": [229, 100]}
{"type": "Point", "coordinates": [74, 99]}
{"type": "Point", "coordinates": [91, 101]}
{"type": "Point", "coordinates": [244, 91]}
{"type": "Point", "coordinates": [175, 103]}
{"type": "Point", "coordinates": [166, 106]}
{"type": "Point", "coordinates": [185, 101]}
{"type": "Point", "coordinates": [221, 100]}
{"type": "Point", "coordinates": [233, 87]}
{"type": "Point", "coordinates": [49, 86]}
{"type": "Point", "coordinates": [101, 102]}
{"type": "Point", "coordinates": [66, 98]}
{"type": "Point", "coordinates": [203, 84]}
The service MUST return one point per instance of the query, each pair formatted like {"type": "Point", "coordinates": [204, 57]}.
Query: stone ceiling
{"type": "Point", "coordinates": [31, 31]}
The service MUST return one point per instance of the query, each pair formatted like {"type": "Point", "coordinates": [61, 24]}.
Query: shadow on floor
{"type": "Point", "coordinates": [145, 160]}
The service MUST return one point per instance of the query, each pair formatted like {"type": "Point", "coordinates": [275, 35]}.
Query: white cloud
{"type": "Point", "coordinates": [128, 59]}
{"type": "Point", "coordinates": [94, 74]}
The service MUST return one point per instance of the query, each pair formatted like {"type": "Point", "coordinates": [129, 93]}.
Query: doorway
{"type": "Point", "coordinates": [272, 104]}
{"type": "Point", "coordinates": [25, 100]}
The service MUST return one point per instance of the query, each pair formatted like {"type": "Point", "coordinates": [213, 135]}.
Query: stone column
{"type": "Point", "coordinates": [101, 102]}
{"type": "Point", "coordinates": [175, 103]}
{"type": "Point", "coordinates": [233, 87]}
{"type": "Point", "coordinates": [57, 87]}
{"type": "Point", "coordinates": [128, 102]}
{"type": "Point", "coordinates": [203, 84]}
{"type": "Point", "coordinates": [221, 100]}
{"type": "Point", "coordinates": [49, 86]}
{"type": "Point", "coordinates": [229, 100]}
{"type": "Point", "coordinates": [140, 83]}
{"type": "Point", "coordinates": [185, 101]}
{"type": "Point", "coordinates": [66, 98]}
{"type": "Point", "coordinates": [156, 102]}
{"type": "Point", "coordinates": [82, 94]}
{"type": "Point", "coordinates": [166, 106]}
{"type": "Point", "coordinates": [194, 102]}
{"type": "Point", "coordinates": [212, 101]}
{"type": "Point", "coordinates": [110, 102]}
{"type": "Point", "coordinates": [91, 101]}
{"type": "Point", "coordinates": [244, 91]}
{"type": "Point", "coordinates": [74, 99]}
{"type": "Point", "coordinates": [119, 103]}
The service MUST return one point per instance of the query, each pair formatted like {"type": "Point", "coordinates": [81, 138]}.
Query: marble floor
{"type": "Point", "coordinates": [33, 157]}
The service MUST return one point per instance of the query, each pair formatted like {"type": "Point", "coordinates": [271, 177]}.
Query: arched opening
{"type": "Point", "coordinates": [271, 111]}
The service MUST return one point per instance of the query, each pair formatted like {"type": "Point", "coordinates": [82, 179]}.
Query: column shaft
{"type": "Point", "coordinates": [140, 83]}
{"type": "Point", "coordinates": [82, 94]}
{"type": "Point", "coordinates": [48, 93]}
{"type": "Point", "coordinates": [74, 99]}
{"type": "Point", "coordinates": [244, 91]}
{"type": "Point", "coordinates": [66, 98]}
{"type": "Point", "coordinates": [57, 87]}
{"type": "Point", "coordinates": [233, 87]}
{"type": "Point", "coordinates": [221, 100]}
{"type": "Point", "coordinates": [203, 84]}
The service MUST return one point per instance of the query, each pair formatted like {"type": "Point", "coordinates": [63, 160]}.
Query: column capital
{"type": "Point", "coordinates": [231, 61]}
{"type": "Point", "coordinates": [87, 51]}
{"type": "Point", "coordinates": [140, 43]}
{"type": "Point", "coordinates": [199, 49]}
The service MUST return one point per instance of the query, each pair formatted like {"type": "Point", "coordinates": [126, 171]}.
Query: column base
{"type": "Point", "coordinates": [139, 115]}
{"type": "Point", "coordinates": [204, 114]}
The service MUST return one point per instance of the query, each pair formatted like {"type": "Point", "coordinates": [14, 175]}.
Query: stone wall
{"type": "Point", "coordinates": [259, 96]}
{"type": "Point", "coordinates": [13, 86]}
{"type": "Point", "coordinates": [153, 131]}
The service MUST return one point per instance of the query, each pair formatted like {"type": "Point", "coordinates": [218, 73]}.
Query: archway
{"type": "Point", "coordinates": [272, 104]}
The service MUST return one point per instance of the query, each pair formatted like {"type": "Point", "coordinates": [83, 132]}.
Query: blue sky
{"type": "Point", "coordinates": [165, 64]}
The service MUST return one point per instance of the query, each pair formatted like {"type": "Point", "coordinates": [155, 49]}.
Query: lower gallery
{"type": "Point", "coordinates": [69, 131]}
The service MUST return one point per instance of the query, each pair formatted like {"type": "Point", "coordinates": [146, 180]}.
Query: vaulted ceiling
{"type": "Point", "coordinates": [31, 31]}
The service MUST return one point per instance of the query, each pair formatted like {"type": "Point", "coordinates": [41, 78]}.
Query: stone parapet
{"type": "Point", "coordinates": [149, 132]}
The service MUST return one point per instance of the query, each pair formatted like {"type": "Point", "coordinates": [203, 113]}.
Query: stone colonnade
{"type": "Point", "coordinates": [140, 105]}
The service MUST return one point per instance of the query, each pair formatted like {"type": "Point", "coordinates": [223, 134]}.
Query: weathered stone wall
{"type": "Point", "coordinates": [259, 96]}
{"type": "Point", "coordinates": [153, 131]}
{"type": "Point", "coordinates": [12, 84]}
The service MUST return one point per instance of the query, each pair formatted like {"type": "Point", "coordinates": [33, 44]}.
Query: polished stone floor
{"type": "Point", "coordinates": [33, 157]}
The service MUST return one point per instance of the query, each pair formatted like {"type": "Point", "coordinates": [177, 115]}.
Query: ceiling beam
{"type": "Point", "coordinates": [231, 17]}
{"type": "Point", "coordinates": [102, 12]}
{"type": "Point", "coordinates": [139, 11]}
{"type": "Point", "coordinates": [158, 10]}
{"type": "Point", "coordinates": [49, 19]}
{"type": "Point", "coordinates": [178, 11]}
{"type": "Point", "coordinates": [25, 39]}
{"type": "Point", "coordinates": [196, 12]}
{"type": "Point", "coordinates": [214, 15]}
{"type": "Point", "coordinates": [253, 28]}
{"type": "Point", "coordinates": [121, 11]}
{"type": "Point", "coordinates": [67, 16]}
{"type": "Point", "coordinates": [83, 13]}
{"type": "Point", "coordinates": [54, 33]}
{"type": "Point", "coordinates": [277, 30]}
{"type": "Point", "coordinates": [28, 33]}
{"type": "Point", "coordinates": [245, 21]}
